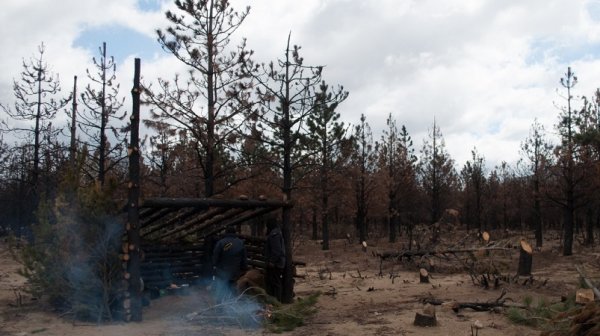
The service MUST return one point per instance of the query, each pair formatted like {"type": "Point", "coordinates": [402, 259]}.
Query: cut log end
{"type": "Point", "coordinates": [526, 247]}
{"type": "Point", "coordinates": [486, 236]}
{"type": "Point", "coordinates": [584, 295]}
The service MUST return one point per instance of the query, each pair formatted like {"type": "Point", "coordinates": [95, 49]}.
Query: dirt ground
{"type": "Point", "coordinates": [360, 296]}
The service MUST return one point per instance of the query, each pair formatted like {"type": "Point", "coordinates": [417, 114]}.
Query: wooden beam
{"type": "Point", "coordinates": [238, 220]}
{"type": "Point", "coordinates": [215, 220]}
{"type": "Point", "coordinates": [146, 220]}
{"type": "Point", "coordinates": [210, 202]}
{"type": "Point", "coordinates": [149, 229]}
{"type": "Point", "coordinates": [205, 216]}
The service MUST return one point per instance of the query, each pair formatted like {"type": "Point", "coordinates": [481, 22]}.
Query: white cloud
{"type": "Point", "coordinates": [484, 68]}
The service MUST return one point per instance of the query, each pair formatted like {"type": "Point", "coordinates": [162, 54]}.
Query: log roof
{"type": "Point", "coordinates": [171, 219]}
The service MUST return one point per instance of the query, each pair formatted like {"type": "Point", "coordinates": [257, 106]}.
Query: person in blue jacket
{"type": "Point", "coordinates": [229, 257]}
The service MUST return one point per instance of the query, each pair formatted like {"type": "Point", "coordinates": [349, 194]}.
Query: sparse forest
{"type": "Point", "coordinates": [354, 184]}
{"type": "Point", "coordinates": [236, 125]}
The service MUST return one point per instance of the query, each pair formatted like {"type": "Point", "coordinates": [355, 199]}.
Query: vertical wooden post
{"type": "Point", "coordinates": [133, 304]}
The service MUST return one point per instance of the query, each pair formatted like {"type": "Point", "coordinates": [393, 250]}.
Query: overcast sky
{"type": "Point", "coordinates": [484, 69]}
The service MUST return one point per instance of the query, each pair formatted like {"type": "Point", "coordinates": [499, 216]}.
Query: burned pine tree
{"type": "Point", "coordinates": [390, 152]}
{"type": "Point", "coordinates": [437, 174]}
{"type": "Point", "coordinates": [288, 91]}
{"type": "Point", "coordinates": [537, 151]}
{"type": "Point", "coordinates": [474, 182]}
{"type": "Point", "coordinates": [98, 120]}
{"type": "Point", "coordinates": [36, 104]}
{"type": "Point", "coordinates": [363, 166]}
{"type": "Point", "coordinates": [326, 135]}
{"type": "Point", "coordinates": [211, 102]}
{"type": "Point", "coordinates": [569, 169]}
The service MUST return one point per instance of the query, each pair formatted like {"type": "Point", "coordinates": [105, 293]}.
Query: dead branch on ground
{"type": "Point", "coordinates": [500, 302]}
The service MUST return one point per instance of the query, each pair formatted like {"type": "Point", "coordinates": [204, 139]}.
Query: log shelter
{"type": "Point", "coordinates": [177, 236]}
{"type": "Point", "coordinates": [168, 241]}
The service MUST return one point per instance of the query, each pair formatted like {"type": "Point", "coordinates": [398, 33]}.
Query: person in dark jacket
{"type": "Point", "coordinates": [229, 257]}
{"type": "Point", "coordinates": [275, 258]}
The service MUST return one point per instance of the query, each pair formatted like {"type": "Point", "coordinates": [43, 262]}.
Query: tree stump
{"type": "Point", "coordinates": [425, 320]}
{"type": "Point", "coordinates": [525, 258]}
{"type": "Point", "coordinates": [423, 276]}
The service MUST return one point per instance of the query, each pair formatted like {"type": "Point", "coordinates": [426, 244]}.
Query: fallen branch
{"type": "Point", "coordinates": [500, 302]}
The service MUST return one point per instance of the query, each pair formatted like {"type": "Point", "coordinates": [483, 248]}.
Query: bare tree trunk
{"type": "Point", "coordinates": [72, 148]}
{"type": "Point", "coordinates": [133, 228]}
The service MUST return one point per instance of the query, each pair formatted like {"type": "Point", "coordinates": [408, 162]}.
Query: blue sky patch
{"type": "Point", "coordinates": [593, 10]}
{"type": "Point", "coordinates": [120, 42]}
{"type": "Point", "coordinates": [564, 52]}
{"type": "Point", "coordinates": [150, 5]}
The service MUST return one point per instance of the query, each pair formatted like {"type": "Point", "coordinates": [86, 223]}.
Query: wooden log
{"type": "Point", "coordinates": [198, 226]}
{"type": "Point", "coordinates": [211, 213]}
{"type": "Point", "coordinates": [525, 258]}
{"type": "Point", "coordinates": [155, 217]}
{"type": "Point", "coordinates": [211, 202]}
{"type": "Point", "coordinates": [588, 282]}
{"type": "Point", "coordinates": [258, 240]}
{"type": "Point", "coordinates": [172, 221]}
{"type": "Point", "coordinates": [423, 276]}
{"type": "Point", "coordinates": [238, 220]}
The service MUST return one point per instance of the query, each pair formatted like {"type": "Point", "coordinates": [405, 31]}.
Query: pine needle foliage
{"type": "Point", "coordinates": [72, 261]}
{"type": "Point", "coordinates": [287, 317]}
{"type": "Point", "coordinates": [542, 315]}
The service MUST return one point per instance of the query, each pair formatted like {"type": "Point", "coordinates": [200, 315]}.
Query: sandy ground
{"type": "Point", "coordinates": [356, 299]}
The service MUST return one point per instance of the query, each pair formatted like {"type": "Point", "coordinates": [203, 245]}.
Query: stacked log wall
{"type": "Point", "coordinates": [166, 264]}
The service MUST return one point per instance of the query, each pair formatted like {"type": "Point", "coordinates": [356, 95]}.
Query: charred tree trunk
{"type": "Point", "coordinates": [103, 121]}
{"type": "Point", "coordinates": [325, 209]}
{"type": "Point", "coordinates": [392, 218]}
{"type": "Point", "coordinates": [589, 225]}
{"type": "Point", "coordinates": [133, 304]}
{"type": "Point", "coordinates": [315, 227]}
{"type": "Point", "coordinates": [537, 215]}
{"type": "Point", "coordinates": [569, 216]}
{"type": "Point", "coordinates": [73, 146]}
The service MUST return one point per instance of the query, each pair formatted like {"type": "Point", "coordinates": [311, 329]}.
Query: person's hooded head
{"type": "Point", "coordinates": [230, 229]}
{"type": "Point", "coordinates": [271, 224]}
